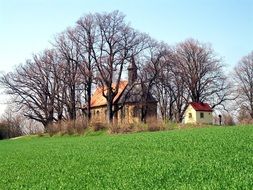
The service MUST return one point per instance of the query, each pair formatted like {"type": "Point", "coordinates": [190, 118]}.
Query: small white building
{"type": "Point", "coordinates": [198, 113]}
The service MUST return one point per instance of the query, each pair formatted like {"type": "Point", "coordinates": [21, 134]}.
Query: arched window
{"type": "Point", "coordinates": [136, 111]}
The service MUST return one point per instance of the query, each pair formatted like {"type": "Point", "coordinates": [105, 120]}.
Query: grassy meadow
{"type": "Point", "coordinates": [196, 158]}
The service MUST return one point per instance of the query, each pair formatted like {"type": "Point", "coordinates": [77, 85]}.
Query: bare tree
{"type": "Point", "coordinates": [60, 89]}
{"type": "Point", "coordinates": [33, 87]}
{"type": "Point", "coordinates": [165, 98]}
{"type": "Point", "coordinates": [202, 71]}
{"type": "Point", "coordinates": [98, 50]}
{"type": "Point", "coordinates": [244, 83]}
{"type": "Point", "coordinates": [85, 39]}
{"type": "Point", "coordinates": [180, 94]}
{"type": "Point", "coordinates": [116, 44]}
{"type": "Point", "coordinates": [151, 64]}
{"type": "Point", "coordinates": [191, 72]}
{"type": "Point", "coordinates": [69, 55]}
{"type": "Point", "coordinates": [13, 122]}
{"type": "Point", "coordinates": [243, 114]}
{"type": "Point", "coordinates": [170, 88]}
{"type": "Point", "coordinates": [164, 89]}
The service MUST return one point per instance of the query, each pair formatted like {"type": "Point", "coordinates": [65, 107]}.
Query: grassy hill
{"type": "Point", "coordinates": [203, 158]}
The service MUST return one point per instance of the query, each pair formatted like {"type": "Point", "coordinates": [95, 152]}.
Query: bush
{"type": "Point", "coordinates": [53, 129]}
{"type": "Point", "coordinates": [121, 128]}
{"type": "Point", "coordinates": [169, 125]}
{"type": "Point", "coordinates": [3, 131]}
{"type": "Point", "coordinates": [152, 125]}
{"type": "Point", "coordinates": [81, 125]}
{"type": "Point", "coordinates": [246, 121]}
{"type": "Point", "coordinates": [114, 129]}
{"type": "Point", "coordinates": [140, 126]}
{"type": "Point", "coordinates": [98, 126]}
{"type": "Point", "coordinates": [127, 127]}
{"type": "Point", "coordinates": [69, 127]}
{"type": "Point", "coordinates": [228, 119]}
{"type": "Point", "coordinates": [155, 125]}
{"type": "Point", "coordinates": [9, 130]}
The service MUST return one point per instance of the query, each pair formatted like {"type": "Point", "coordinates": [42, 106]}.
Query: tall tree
{"type": "Point", "coordinates": [171, 92]}
{"type": "Point", "coordinates": [117, 42]}
{"type": "Point", "coordinates": [244, 83]}
{"type": "Point", "coordinates": [33, 87]}
{"type": "Point", "coordinates": [151, 63]}
{"type": "Point", "coordinates": [69, 54]}
{"type": "Point", "coordinates": [202, 71]}
{"type": "Point", "coordinates": [85, 39]}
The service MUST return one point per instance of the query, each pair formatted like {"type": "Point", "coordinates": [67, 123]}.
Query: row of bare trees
{"type": "Point", "coordinates": [50, 86]}
{"type": "Point", "coordinates": [189, 71]}
{"type": "Point", "coordinates": [56, 83]}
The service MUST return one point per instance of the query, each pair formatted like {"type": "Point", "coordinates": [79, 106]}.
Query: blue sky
{"type": "Point", "coordinates": [27, 26]}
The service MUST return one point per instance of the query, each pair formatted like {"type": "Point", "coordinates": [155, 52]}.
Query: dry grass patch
{"type": "Point", "coordinates": [98, 126]}
{"type": "Point", "coordinates": [68, 127]}
{"type": "Point", "coordinates": [155, 125]}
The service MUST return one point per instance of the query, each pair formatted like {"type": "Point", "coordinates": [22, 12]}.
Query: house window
{"type": "Point", "coordinates": [135, 111]}
{"type": "Point", "coordinates": [201, 115]}
{"type": "Point", "coordinates": [190, 115]}
{"type": "Point", "coordinates": [97, 113]}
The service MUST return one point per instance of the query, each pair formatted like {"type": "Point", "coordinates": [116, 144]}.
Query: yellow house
{"type": "Point", "coordinates": [129, 99]}
{"type": "Point", "coordinates": [131, 107]}
{"type": "Point", "coordinates": [198, 113]}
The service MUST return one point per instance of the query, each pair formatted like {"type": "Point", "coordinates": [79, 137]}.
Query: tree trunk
{"type": "Point", "coordinates": [109, 112]}
{"type": "Point", "coordinates": [89, 99]}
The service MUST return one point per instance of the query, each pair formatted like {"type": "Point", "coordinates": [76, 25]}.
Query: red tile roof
{"type": "Point", "coordinates": [99, 100]}
{"type": "Point", "coordinates": [201, 106]}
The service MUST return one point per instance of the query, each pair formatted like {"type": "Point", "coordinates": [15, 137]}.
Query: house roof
{"type": "Point", "coordinates": [98, 99]}
{"type": "Point", "coordinates": [201, 106]}
{"type": "Point", "coordinates": [126, 93]}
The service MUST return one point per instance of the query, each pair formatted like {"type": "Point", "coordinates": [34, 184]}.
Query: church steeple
{"type": "Point", "coordinates": [132, 71]}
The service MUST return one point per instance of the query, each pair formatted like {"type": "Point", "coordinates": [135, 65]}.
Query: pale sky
{"type": "Point", "coordinates": [27, 26]}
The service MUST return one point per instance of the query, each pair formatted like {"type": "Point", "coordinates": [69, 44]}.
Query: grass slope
{"type": "Point", "coordinates": [204, 158]}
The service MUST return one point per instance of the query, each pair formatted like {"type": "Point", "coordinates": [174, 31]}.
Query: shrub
{"type": "Point", "coordinates": [77, 126]}
{"type": "Point", "coordinates": [169, 125]}
{"type": "Point", "coordinates": [114, 129]}
{"type": "Point", "coordinates": [155, 125]}
{"type": "Point", "coordinates": [80, 126]}
{"type": "Point", "coordinates": [3, 131]}
{"type": "Point", "coordinates": [228, 119]}
{"type": "Point", "coordinates": [152, 125]}
{"type": "Point", "coordinates": [246, 121]}
{"type": "Point", "coordinates": [127, 127]}
{"type": "Point", "coordinates": [98, 126]}
{"type": "Point", "coordinates": [159, 126]}
{"type": "Point", "coordinates": [140, 126]}
{"type": "Point", "coordinates": [69, 127]}
{"type": "Point", "coordinates": [10, 129]}
{"type": "Point", "coordinates": [121, 128]}
{"type": "Point", "coordinates": [53, 129]}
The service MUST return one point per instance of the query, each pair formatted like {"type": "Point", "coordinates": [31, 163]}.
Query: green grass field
{"type": "Point", "coordinates": [200, 158]}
